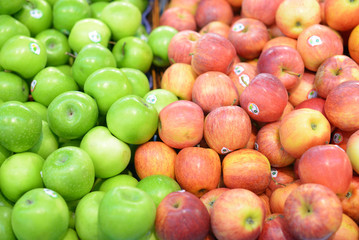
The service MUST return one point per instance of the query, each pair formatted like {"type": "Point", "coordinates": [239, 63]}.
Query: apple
{"type": "Point", "coordinates": [248, 169]}
{"type": "Point", "coordinates": [353, 45]}
{"type": "Point", "coordinates": [338, 13]}
{"type": "Point", "coordinates": [280, 41]}
{"type": "Point", "coordinates": [47, 143]}
{"type": "Point", "coordinates": [96, 8]}
{"type": "Point", "coordinates": [132, 120]}
{"type": "Point", "coordinates": [311, 129]}
{"type": "Point", "coordinates": [230, 219]}
{"type": "Point", "coordinates": [213, 52]}
{"type": "Point", "coordinates": [317, 43]}
{"type": "Point", "coordinates": [275, 227]}
{"type": "Point", "coordinates": [181, 46]}
{"type": "Point", "coordinates": [5, 221]}
{"type": "Point", "coordinates": [106, 85]}
{"type": "Point", "coordinates": [181, 124]}
{"type": "Point", "coordinates": [214, 89]}
{"type": "Point", "coordinates": [142, 5]}
{"type": "Point", "coordinates": [280, 178]}
{"type": "Point", "coordinates": [119, 180]}
{"type": "Point", "coordinates": [218, 27]}
{"type": "Point", "coordinates": [227, 129]}
{"type": "Point", "coordinates": [197, 169]}
{"type": "Point", "coordinates": [13, 87]}
{"type": "Point", "coordinates": [139, 81]}
{"type": "Point", "coordinates": [248, 36]}
{"type": "Point", "coordinates": [350, 201]}
{"type": "Point", "coordinates": [283, 62]}
{"type": "Point", "coordinates": [339, 106]}
{"type": "Point", "coordinates": [213, 10]}
{"type": "Point", "coordinates": [179, 78]}
{"type": "Point", "coordinates": [50, 82]}
{"type": "Point", "coordinates": [154, 158]}
{"type": "Point", "coordinates": [4, 154]}
{"type": "Point", "coordinates": [67, 12]}
{"type": "Point", "coordinates": [120, 12]}
{"type": "Point", "coordinates": [39, 108]}
{"type": "Point", "coordinates": [258, 96]}
{"type": "Point", "coordinates": [40, 213]}
{"type": "Point", "coordinates": [190, 5]}
{"type": "Point", "coordinates": [313, 103]}
{"type": "Point", "coordinates": [72, 114]}
{"type": "Point", "coordinates": [158, 187]}
{"type": "Point", "coordinates": [313, 211]}
{"type": "Point", "coordinates": [181, 215]}
{"type": "Point", "coordinates": [24, 51]}
{"type": "Point", "coordinates": [352, 150]}
{"type": "Point", "coordinates": [304, 89]}
{"type": "Point", "coordinates": [210, 197]}
{"type": "Point", "coordinates": [178, 18]}
{"type": "Point", "coordinates": [241, 74]}
{"type": "Point", "coordinates": [20, 126]}
{"type": "Point", "coordinates": [340, 137]}
{"type": "Point", "coordinates": [262, 10]}
{"type": "Point", "coordinates": [9, 27]}
{"type": "Point", "coordinates": [126, 213]}
{"type": "Point", "coordinates": [86, 215]}
{"type": "Point", "coordinates": [9, 8]}
{"type": "Point", "coordinates": [348, 229]}
{"type": "Point", "coordinates": [160, 98]}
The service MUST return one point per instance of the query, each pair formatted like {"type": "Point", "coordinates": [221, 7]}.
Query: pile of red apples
{"type": "Point", "coordinates": [266, 131]}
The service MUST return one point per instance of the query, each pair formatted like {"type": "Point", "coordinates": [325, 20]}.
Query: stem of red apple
{"type": "Point", "coordinates": [292, 73]}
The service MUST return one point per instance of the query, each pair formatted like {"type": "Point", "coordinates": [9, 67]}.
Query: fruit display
{"type": "Point", "coordinates": [179, 119]}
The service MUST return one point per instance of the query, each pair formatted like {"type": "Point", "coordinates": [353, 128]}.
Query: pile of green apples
{"type": "Point", "coordinates": [76, 99]}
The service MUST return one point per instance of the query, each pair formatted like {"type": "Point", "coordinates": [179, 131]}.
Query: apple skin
{"type": "Point", "coordinates": [352, 150]}
{"type": "Point", "coordinates": [353, 45]}
{"type": "Point", "coordinates": [119, 180]}
{"type": "Point", "coordinates": [328, 159]}
{"type": "Point", "coordinates": [190, 5]}
{"type": "Point", "coordinates": [304, 89]}
{"type": "Point", "coordinates": [181, 124]}
{"type": "Point", "coordinates": [210, 197]}
{"type": "Point", "coordinates": [313, 103]}
{"type": "Point", "coordinates": [11, 7]}
{"type": "Point", "coordinates": [275, 227]}
{"type": "Point", "coordinates": [350, 201]}
{"type": "Point", "coordinates": [10, 27]}
{"type": "Point", "coordinates": [241, 74]}
{"type": "Point", "coordinates": [280, 178]}
{"type": "Point", "coordinates": [339, 13]}
{"type": "Point", "coordinates": [230, 219]}
{"type": "Point", "coordinates": [213, 52]}
{"type": "Point", "coordinates": [214, 89]}
{"type": "Point", "coordinates": [280, 41]}
{"type": "Point", "coordinates": [312, 129]}
{"type": "Point", "coordinates": [218, 27]}
{"type": "Point", "coordinates": [340, 106]}
{"type": "Point", "coordinates": [258, 96]}
{"type": "Point", "coordinates": [198, 170]}
{"type": "Point", "coordinates": [248, 36]}
{"type": "Point", "coordinates": [227, 129]}
{"type": "Point", "coordinates": [333, 71]}
{"type": "Point", "coordinates": [5, 221]}
{"type": "Point", "coordinates": [13, 87]}
{"type": "Point", "coordinates": [181, 215]}
{"type": "Point", "coordinates": [213, 10]}
{"type": "Point", "coordinates": [181, 46]}
{"type": "Point", "coordinates": [283, 62]}
{"type": "Point", "coordinates": [348, 229]}
{"type": "Point", "coordinates": [152, 158]}
{"type": "Point", "coordinates": [261, 10]}
{"type": "Point", "coordinates": [313, 211]}
{"type": "Point", "coordinates": [160, 98]}
{"type": "Point", "coordinates": [248, 169]}
{"type": "Point", "coordinates": [279, 196]}
{"type": "Point", "coordinates": [138, 80]}
{"type": "Point", "coordinates": [178, 18]}
{"type": "Point", "coordinates": [317, 43]}
{"type": "Point", "coordinates": [340, 138]}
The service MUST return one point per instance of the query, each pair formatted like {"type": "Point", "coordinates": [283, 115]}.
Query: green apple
{"type": "Point", "coordinates": [66, 69]}
{"type": "Point", "coordinates": [123, 18]}
{"type": "Point", "coordinates": [68, 143]}
{"type": "Point", "coordinates": [133, 52]}
{"type": "Point", "coordinates": [51, 2]}
{"type": "Point", "coordinates": [47, 142]}
{"type": "Point", "coordinates": [70, 235]}
{"type": "Point", "coordinates": [10, 27]}
{"type": "Point", "coordinates": [91, 58]}
{"type": "Point", "coordinates": [159, 39]}
{"type": "Point", "coordinates": [24, 55]}
{"type": "Point", "coordinates": [4, 154]}
{"type": "Point", "coordinates": [20, 173]}
{"type": "Point", "coordinates": [132, 120]}
{"type": "Point", "coordinates": [158, 186]}
{"type": "Point", "coordinates": [142, 33]}
{"type": "Point", "coordinates": [20, 126]}
{"type": "Point", "coordinates": [72, 217]}
{"type": "Point", "coordinates": [86, 31]}
{"type": "Point", "coordinates": [126, 213]}
{"type": "Point", "coordinates": [86, 221]}
{"type": "Point", "coordinates": [71, 114]}
{"type": "Point", "coordinates": [140, 4]}
{"type": "Point", "coordinates": [10, 7]}
{"type": "Point", "coordinates": [49, 83]}
{"type": "Point", "coordinates": [109, 155]}
{"type": "Point", "coordinates": [106, 85]}
{"type": "Point", "coordinates": [67, 12]}
{"type": "Point", "coordinates": [5, 223]}
{"type": "Point", "coordinates": [40, 213]}
{"type": "Point", "coordinates": [118, 181]}
{"type": "Point", "coordinates": [39, 108]}
{"type": "Point", "coordinates": [139, 81]}
{"type": "Point", "coordinates": [96, 8]}
{"type": "Point", "coordinates": [13, 87]}
{"type": "Point", "coordinates": [57, 46]}
{"type": "Point", "coordinates": [160, 98]}
{"type": "Point", "coordinates": [36, 15]}
{"type": "Point", "coordinates": [4, 202]}
{"type": "Point", "coordinates": [70, 172]}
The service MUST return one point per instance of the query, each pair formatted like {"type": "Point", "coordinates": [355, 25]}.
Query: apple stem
{"type": "Point", "coordinates": [292, 73]}
{"type": "Point", "coordinates": [31, 4]}
{"type": "Point", "coordinates": [234, 101]}
{"type": "Point", "coordinates": [278, 183]}
{"type": "Point", "coordinates": [70, 54]}
{"type": "Point", "coordinates": [112, 42]}
{"type": "Point", "coordinates": [123, 48]}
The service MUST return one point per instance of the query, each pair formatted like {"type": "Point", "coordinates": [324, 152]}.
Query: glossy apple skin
{"type": "Point", "coordinates": [348, 229]}
{"type": "Point", "coordinates": [181, 215]}
{"type": "Point", "coordinates": [340, 15]}
{"type": "Point", "coordinates": [304, 89]}
{"type": "Point", "coordinates": [350, 201]}
{"type": "Point", "coordinates": [210, 197]}
{"type": "Point", "coordinates": [190, 5]}
{"type": "Point", "coordinates": [353, 150]}
{"type": "Point", "coordinates": [181, 46]}
{"type": "Point", "coordinates": [261, 10]}
{"type": "Point", "coordinates": [279, 196]}
{"type": "Point", "coordinates": [275, 228]}
{"type": "Point", "coordinates": [178, 18]}
{"type": "Point", "coordinates": [353, 44]}
{"type": "Point", "coordinates": [241, 74]}
{"type": "Point", "coordinates": [280, 178]}
{"type": "Point", "coordinates": [218, 27]}
{"type": "Point", "coordinates": [213, 10]}
{"type": "Point", "coordinates": [280, 41]}
{"type": "Point", "coordinates": [341, 106]}
{"type": "Point", "coordinates": [313, 211]}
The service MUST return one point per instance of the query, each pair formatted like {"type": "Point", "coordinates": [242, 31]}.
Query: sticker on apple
{"type": "Point", "coordinates": [274, 172]}
{"type": "Point", "coordinates": [33, 85]}
{"type": "Point", "coordinates": [36, 13]}
{"type": "Point", "coordinates": [337, 138]}
{"type": "Point", "coordinates": [312, 94]}
{"type": "Point", "coordinates": [50, 192]}
{"type": "Point", "coordinates": [253, 108]}
{"type": "Point", "coordinates": [225, 150]}
{"type": "Point", "coordinates": [314, 41]}
{"type": "Point", "coordinates": [35, 48]}
{"type": "Point", "coordinates": [238, 70]}
{"type": "Point", "coordinates": [256, 146]}
{"type": "Point", "coordinates": [151, 99]}
{"type": "Point", "coordinates": [238, 27]}
{"type": "Point", "coordinates": [244, 80]}
{"type": "Point", "coordinates": [95, 36]}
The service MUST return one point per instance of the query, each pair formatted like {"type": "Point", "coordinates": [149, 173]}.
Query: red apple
{"type": "Point", "coordinates": [348, 230]}
{"type": "Point", "coordinates": [353, 150]}
{"type": "Point", "coordinates": [213, 10]}
{"type": "Point", "coordinates": [274, 31]}
{"type": "Point", "coordinates": [210, 197]}
{"type": "Point", "coordinates": [281, 41]}
{"type": "Point", "coordinates": [279, 196]}
{"type": "Point", "coordinates": [227, 129]}
{"type": "Point", "coordinates": [197, 169]}
{"type": "Point", "coordinates": [241, 74]}
{"type": "Point", "coordinates": [190, 5]}
{"type": "Point", "coordinates": [260, 94]}
{"type": "Point", "coordinates": [181, 124]}
{"type": "Point", "coordinates": [340, 138]}
{"type": "Point", "coordinates": [312, 103]}
{"type": "Point", "coordinates": [288, 108]}
{"type": "Point", "coordinates": [313, 211]}
{"type": "Point", "coordinates": [248, 36]}
{"type": "Point", "coordinates": [178, 18]}
{"type": "Point", "coordinates": [262, 10]}
{"type": "Point", "coordinates": [248, 169]}
{"type": "Point", "coordinates": [229, 220]}
{"type": "Point", "coordinates": [350, 201]}
{"type": "Point", "coordinates": [281, 177]}
{"type": "Point", "coordinates": [181, 46]}
{"type": "Point", "coordinates": [218, 27]}
{"type": "Point", "coordinates": [341, 15]}
{"type": "Point", "coordinates": [275, 228]}
{"type": "Point", "coordinates": [304, 89]}
{"type": "Point", "coordinates": [181, 215]}
{"type": "Point", "coordinates": [213, 52]}
{"type": "Point", "coordinates": [214, 89]}
{"type": "Point", "coordinates": [252, 139]}
{"type": "Point", "coordinates": [353, 44]}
